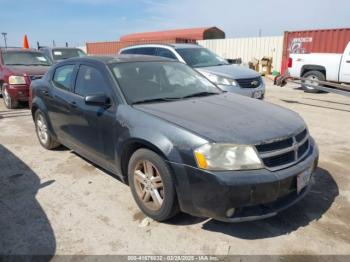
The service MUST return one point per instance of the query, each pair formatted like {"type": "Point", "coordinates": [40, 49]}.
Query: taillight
{"type": "Point", "coordinates": [290, 62]}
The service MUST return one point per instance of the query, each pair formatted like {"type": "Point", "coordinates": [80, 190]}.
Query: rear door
{"type": "Point", "coordinates": [344, 74]}
{"type": "Point", "coordinates": [93, 128]}
{"type": "Point", "coordinates": [59, 99]}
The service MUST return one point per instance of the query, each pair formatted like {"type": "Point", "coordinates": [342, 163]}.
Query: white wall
{"type": "Point", "coordinates": [248, 48]}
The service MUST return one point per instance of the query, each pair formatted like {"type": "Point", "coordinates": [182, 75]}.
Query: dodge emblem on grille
{"type": "Point", "coordinates": [254, 83]}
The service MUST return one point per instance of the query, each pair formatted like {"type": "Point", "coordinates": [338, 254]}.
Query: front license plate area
{"type": "Point", "coordinates": [303, 179]}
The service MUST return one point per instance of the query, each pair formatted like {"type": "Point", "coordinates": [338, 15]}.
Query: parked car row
{"type": "Point", "coordinates": [177, 139]}
{"type": "Point", "coordinates": [19, 67]}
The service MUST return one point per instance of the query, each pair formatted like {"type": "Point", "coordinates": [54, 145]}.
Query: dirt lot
{"type": "Point", "coordinates": [57, 202]}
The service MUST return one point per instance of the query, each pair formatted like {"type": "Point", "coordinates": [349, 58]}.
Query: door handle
{"type": "Point", "coordinates": [347, 61]}
{"type": "Point", "coordinates": [45, 93]}
{"type": "Point", "coordinates": [73, 104]}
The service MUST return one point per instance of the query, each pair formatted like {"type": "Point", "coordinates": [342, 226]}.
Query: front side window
{"type": "Point", "coordinates": [25, 58]}
{"type": "Point", "coordinates": [63, 77]}
{"type": "Point", "coordinates": [200, 57]}
{"type": "Point", "coordinates": [141, 81]}
{"type": "Point", "coordinates": [90, 82]}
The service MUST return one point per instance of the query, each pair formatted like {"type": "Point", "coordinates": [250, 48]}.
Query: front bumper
{"type": "Point", "coordinates": [254, 194]}
{"type": "Point", "coordinates": [258, 92]}
{"type": "Point", "coordinates": [18, 92]}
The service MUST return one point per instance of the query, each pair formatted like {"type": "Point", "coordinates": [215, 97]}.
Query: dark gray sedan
{"type": "Point", "coordinates": [177, 140]}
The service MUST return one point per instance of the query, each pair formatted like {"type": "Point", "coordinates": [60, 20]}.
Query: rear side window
{"type": "Point", "coordinates": [90, 81]}
{"type": "Point", "coordinates": [128, 51]}
{"type": "Point", "coordinates": [63, 77]}
{"type": "Point", "coordinates": [166, 53]}
{"type": "Point", "coordinates": [141, 51]}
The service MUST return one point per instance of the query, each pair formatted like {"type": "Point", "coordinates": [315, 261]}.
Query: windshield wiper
{"type": "Point", "coordinates": [159, 99]}
{"type": "Point", "coordinates": [205, 93]}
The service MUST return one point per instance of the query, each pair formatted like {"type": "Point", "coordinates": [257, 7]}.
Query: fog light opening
{"type": "Point", "coordinates": [230, 212]}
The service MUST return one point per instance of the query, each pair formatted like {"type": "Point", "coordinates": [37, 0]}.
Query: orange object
{"type": "Point", "coordinates": [25, 42]}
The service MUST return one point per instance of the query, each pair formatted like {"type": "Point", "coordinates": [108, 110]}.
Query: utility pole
{"type": "Point", "coordinates": [260, 32]}
{"type": "Point", "coordinates": [5, 38]}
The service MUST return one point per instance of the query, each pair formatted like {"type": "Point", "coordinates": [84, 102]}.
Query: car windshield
{"type": "Point", "coordinates": [200, 57]}
{"type": "Point", "coordinates": [25, 58]}
{"type": "Point", "coordinates": [65, 53]}
{"type": "Point", "coordinates": [143, 82]}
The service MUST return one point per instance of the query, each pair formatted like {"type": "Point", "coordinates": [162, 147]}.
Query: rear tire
{"type": "Point", "coordinates": [42, 131]}
{"type": "Point", "coordinates": [152, 185]}
{"type": "Point", "coordinates": [10, 103]}
{"type": "Point", "coordinates": [313, 75]}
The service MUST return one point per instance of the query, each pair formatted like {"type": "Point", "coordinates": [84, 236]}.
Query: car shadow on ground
{"type": "Point", "coordinates": [311, 208]}
{"type": "Point", "coordinates": [24, 226]}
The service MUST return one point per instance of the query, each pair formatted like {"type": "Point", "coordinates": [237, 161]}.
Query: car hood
{"type": "Point", "coordinates": [29, 70]}
{"type": "Point", "coordinates": [229, 118]}
{"type": "Point", "coordinates": [230, 71]}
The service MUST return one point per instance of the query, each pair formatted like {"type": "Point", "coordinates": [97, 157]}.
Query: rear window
{"type": "Point", "coordinates": [25, 58]}
{"type": "Point", "coordinates": [65, 53]}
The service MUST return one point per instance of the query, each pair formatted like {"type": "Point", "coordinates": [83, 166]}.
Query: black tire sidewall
{"type": "Point", "coordinates": [168, 208]}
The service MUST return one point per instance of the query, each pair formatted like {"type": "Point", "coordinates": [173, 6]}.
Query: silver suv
{"type": "Point", "coordinates": [229, 77]}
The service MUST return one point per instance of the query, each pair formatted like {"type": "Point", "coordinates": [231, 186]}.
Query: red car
{"type": "Point", "coordinates": [18, 67]}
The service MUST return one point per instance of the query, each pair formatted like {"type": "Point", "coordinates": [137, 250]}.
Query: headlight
{"type": "Point", "coordinates": [220, 80]}
{"type": "Point", "coordinates": [17, 80]}
{"type": "Point", "coordinates": [227, 157]}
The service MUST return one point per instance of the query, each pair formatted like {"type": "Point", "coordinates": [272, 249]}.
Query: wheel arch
{"type": "Point", "coordinates": [308, 68]}
{"type": "Point", "coordinates": [130, 147]}
{"type": "Point", "coordinates": [37, 103]}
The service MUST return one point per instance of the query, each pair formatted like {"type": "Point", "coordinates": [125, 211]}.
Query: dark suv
{"type": "Point", "coordinates": [18, 67]}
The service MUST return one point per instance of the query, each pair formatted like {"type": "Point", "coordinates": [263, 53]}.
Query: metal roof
{"type": "Point", "coordinates": [191, 33]}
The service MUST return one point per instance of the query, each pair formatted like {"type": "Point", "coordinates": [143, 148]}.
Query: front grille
{"type": "Point", "coordinates": [279, 160]}
{"type": "Point", "coordinates": [284, 152]}
{"type": "Point", "coordinates": [275, 145]}
{"type": "Point", "coordinates": [35, 77]}
{"type": "Point", "coordinates": [249, 82]}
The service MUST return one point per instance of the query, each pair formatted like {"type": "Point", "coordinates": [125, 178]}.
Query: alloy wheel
{"type": "Point", "coordinates": [149, 185]}
{"type": "Point", "coordinates": [41, 128]}
{"type": "Point", "coordinates": [311, 81]}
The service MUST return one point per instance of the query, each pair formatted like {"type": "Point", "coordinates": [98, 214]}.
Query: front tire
{"type": "Point", "coordinates": [311, 76]}
{"type": "Point", "coordinates": [152, 185]}
{"type": "Point", "coordinates": [42, 131]}
{"type": "Point", "coordinates": [10, 103]}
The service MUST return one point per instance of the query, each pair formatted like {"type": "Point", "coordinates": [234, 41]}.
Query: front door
{"type": "Point", "coordinates": [93, 130]}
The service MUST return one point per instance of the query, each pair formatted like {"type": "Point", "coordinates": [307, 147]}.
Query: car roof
{"type": "Point", "coordinates": [174, 45]}
{"type": "Point", "coordinates": [119, 59]}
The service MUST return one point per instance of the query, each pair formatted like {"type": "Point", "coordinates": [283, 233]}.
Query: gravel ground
{"type": "Point", "coordinates": [55, 202]}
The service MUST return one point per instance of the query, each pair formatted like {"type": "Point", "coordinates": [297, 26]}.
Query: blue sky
{"type": "Point", "coordinates": [80, 21]}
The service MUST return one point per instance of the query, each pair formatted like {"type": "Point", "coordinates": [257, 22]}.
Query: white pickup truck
{"type": "Point", "coordinates": [320, 66]}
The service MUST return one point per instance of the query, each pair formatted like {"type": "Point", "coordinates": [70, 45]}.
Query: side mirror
{"type": "Point", "coordinates": [98, 100]}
